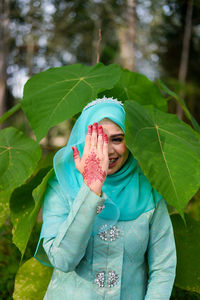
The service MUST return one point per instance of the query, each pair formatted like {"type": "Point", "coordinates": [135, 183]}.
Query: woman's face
{"type": "Point", "coordinates": [117, 150]}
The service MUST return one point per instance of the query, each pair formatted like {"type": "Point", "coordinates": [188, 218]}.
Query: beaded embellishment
{"type": "Point", "coordinates": [100, 278]}
{"type": "Point", "coordinates": [112, 278]}
{"type": "Point", "coordinates": [100, 208]}
{"type": "Point", "coordinates": [109, 235]}
{"type": "Point", "coordinates": [100, 100]}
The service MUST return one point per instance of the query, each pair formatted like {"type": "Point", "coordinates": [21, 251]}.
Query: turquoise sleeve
{"type": "Point", "coordinates": [67, 249]}
{"type": "Point", "coordinates": [161, 255]}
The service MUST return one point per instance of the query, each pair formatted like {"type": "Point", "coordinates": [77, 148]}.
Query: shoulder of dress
{"type": "Point", "coordinates": [147, 214]}
{"type": "Point", "coordinates": [54, 184]}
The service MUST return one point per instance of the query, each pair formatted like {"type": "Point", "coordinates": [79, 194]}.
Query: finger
{"type": "Point", "coordinates": [88, 140]}
{"type": "Point", "coordinates": [105, 145]}
{"type": "Point", "coordinates": [76, 157]}
{"type": "Point", "coordinates": [100, 140]}
{"type": "Point", "coordinates": [94, 135]}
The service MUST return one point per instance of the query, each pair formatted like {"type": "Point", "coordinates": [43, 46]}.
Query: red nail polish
{"type": "Point", "coordinates": [105, 138]}
{"type": "Point", "coordinates": [89, 130]}
{"type": "Point", "coordinates": [75, 152]}
{"type": "Point", "coordinates": [95, 125]}
{"type": "Point", "coordinates": [100, 130]}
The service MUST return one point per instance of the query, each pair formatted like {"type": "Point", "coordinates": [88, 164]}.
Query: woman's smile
{"type": "Point", "coordinates": [117, 150]}
{"type": "Point", "coordinates": [112, 162]}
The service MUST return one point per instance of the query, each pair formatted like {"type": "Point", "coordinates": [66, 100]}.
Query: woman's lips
{"type": "Point", "coordinates": [112, 162]}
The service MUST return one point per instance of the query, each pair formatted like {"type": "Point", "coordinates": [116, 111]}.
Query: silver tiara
{"type": "Point", "coordinates": [105, 100]}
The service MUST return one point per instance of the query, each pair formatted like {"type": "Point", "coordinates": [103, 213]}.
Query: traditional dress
{"type": "Point", "coordinates": [119, 246]}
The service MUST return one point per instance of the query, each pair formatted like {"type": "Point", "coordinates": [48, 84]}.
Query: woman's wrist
{"type": "Point", "coordinates": [96, 191]}
{"type": "Point", "coordinates": [95, 188]}
{"type": "Point", "coordinates": [98, 194]}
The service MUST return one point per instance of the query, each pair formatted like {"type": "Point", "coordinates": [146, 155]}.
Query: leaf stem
{"type": "Point", "coordinates": [10, 112]}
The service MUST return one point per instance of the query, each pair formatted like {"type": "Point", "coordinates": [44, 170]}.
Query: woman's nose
{"type": "Point", "coordinates": [110, 148]}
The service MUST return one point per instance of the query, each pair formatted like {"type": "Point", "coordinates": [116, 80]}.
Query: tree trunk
{"type": "Point", "coordinates": [96, 41]}
{"type": "Point", "coordinates": [4, 50]}
{"type": "Point", "coordinates": [185, 53]}
{"type": "Point", "coordinates": [30, 43]}
{"type": "Point", "coordinates": [30, 54]}
{"type": "Point", "coordinates": [126, 34]}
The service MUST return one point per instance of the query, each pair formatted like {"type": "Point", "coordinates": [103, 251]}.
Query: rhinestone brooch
{"type": "Point", "coordinates": [112, 279]}
{"type": "Point", "coordinates": [109, 235]}
{"type": "Point", "coordinates": [100, 278]}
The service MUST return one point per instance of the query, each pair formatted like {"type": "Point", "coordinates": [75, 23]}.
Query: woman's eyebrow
{"type": "Point", "coordinates": [117, 135]}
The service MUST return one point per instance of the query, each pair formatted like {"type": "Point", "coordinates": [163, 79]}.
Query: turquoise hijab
{"type": "Point", "coordinates": [128, 192]}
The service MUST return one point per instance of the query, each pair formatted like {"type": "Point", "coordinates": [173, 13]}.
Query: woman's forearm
{"type": "Point", "coordinates": [67, 249]}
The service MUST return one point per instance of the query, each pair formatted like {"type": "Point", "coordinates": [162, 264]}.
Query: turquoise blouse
{"type": "Point", "coordinates": [133, 260]}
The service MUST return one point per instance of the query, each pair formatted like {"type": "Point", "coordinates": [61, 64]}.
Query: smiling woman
{"type": "Point", "coordinates": [102, 218]}
{"type": "Point", "coordinates": [117, 150]}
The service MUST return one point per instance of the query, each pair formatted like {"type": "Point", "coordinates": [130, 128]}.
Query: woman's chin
{"type": "Point", "coordinates": [113, 170]}
{"type": "Point", "coordinates": [110, 172]}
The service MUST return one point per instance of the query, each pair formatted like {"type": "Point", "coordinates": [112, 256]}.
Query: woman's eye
{"type": "Point", "coordinates": [117, 140]}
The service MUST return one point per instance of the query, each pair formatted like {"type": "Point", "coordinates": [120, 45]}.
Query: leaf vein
{"type": "Point", "coordinates": [165, 160]}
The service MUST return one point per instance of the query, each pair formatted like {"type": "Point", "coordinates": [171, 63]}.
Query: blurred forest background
{"type": "Point", "coordinates": [158, 38]}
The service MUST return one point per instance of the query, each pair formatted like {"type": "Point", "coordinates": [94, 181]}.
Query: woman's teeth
{"type": "Point", "coordinates": [111, 161]}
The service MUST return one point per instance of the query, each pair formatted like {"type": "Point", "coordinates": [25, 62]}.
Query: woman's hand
{"type": "Point", "coordinates": [94, 163]}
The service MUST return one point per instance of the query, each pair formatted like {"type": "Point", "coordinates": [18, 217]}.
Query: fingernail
{"type": "Point", "coordinates": [95, 125]}
{"type": "Point", "coordinates": [105, 138]}
{"type": "Point", "coordinates": [75, 151]}
{"type": "Point", "coordinates": [100, 130]}
{"type": "Point", "coordinates": [89, 130]}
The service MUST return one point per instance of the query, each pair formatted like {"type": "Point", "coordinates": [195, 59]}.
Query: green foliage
{"type": "Point", "coordinates": [182, 103]}
{"type": "Point", "coordinates": [193, 207]}
{"type": "Point", "coordinates": [25, 204]}
{"type": "Point", "coordinates": [179, 294]}
{"type": "Point", "coordinates": [168, 151]}
{"type": "Point", "coordinates": [188, 259]}
{"type": "Point", "coordinates": [4, 205]}
{"type": "Point", "coordinates": [57, 94]}
{"type": "Point", "coordinates": [31, 281]}
{"type": "Point", "coordinates": [135, 86]}
{"type": "Point", "coordinates": [10, 258]}
{"type": "Point", "coordinates": [9, 263]}
{"type": "Point", "coordinates": [19, 156]}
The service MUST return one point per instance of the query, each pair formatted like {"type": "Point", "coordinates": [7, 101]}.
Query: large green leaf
{"type": "Point", "coordinates": [59, 93]}
{"type": "Point", "coordinates": [31, 281]}
{"type": "Point", "coordinates": [19, 156]}
{"type": "Point", "coordinates": [188, 249]}
{"type": "Point", "coordinates": [135, 86]}
{"type": "Point", "coordinates": [182, 103]}
{"type": "Point", "coordinates": [25, 204]}
{"type": "Point", "coordinates": [168, 151]}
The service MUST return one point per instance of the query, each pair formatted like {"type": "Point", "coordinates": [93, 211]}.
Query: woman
{"type": "Point", "coordinates": [106, 231]}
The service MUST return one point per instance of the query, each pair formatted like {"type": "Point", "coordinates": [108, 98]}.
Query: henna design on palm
{"type": "Point", "coordinates": [92, 169]}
